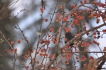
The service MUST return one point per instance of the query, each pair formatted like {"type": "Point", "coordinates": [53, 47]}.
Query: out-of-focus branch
{"type": "Point", "coordinates": [6, 40]}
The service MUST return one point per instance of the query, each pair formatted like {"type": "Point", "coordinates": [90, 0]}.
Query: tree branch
{"type": "Point", "coordinates": [68, 43]}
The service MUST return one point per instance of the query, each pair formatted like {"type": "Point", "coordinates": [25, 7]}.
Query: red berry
{"type": "Point", "coordinates": [12, 42]}
{"type": "Point", "coordinates": [19, 41]}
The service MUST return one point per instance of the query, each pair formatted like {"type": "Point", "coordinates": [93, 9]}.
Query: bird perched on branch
{"type": "Point", "coordinates": [68, 37]}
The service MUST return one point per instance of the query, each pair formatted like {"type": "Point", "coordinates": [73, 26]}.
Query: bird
{"type": "Point", "coordinates": [68, 37]}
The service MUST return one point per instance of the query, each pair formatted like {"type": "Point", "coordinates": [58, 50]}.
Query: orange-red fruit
{"type": "Point", "coordinates": [11, 51]}
{"type": "Point", "coordinates": [73, 5]}
{"type": "Point", "coordinates": [67, 29]}
{"type": "Point", "coordinates": [85, 1]}
{"type": "Point", "coordinates": [5, 51]}
{"type": "Point", "coordinates": [66, 62]}
{"type": "Point", "coordinates": [83, 58]}
{"type": "Point", "coordinates": [94, 33]}
{"type": "Point", "coordinates": [27, 67]}
{"type": "Point", "coordinates": [37, 62]}
{"type": "Point", "coordinates": [100, 4]}
{"type": "Point", "coordinates": [19, 41]}
{"type": "Point", "coordinates": [84, 65]}
{"type": "Point", "coordinates": [51, 29]}
{"type": "Point", "coordinates": [46, 20]}
{"type": "Point", "coordinates": [77, 57]}
{"type": "Point", "coordinates": [91, 16]}
{"type": "Point", "coordinates": [57, 20]}
{"type": "Point", "coordinates": [12, 42]}
{"type": "Point", "coordinates": [72, 26]}
{"type": "Point", "coordinates": [59, 6]}
{"type": "Point", "coordinates": [37, 52]}
{"type": "Point", "coordinates": [42, 10]}
{"type": "Point", "coordinates": [94, 2]}
{"type": "Point", "coordinates": [104, 30]}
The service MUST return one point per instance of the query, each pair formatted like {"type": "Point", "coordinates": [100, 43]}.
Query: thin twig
{"type": "Point", "coordinates": [13, 49]}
